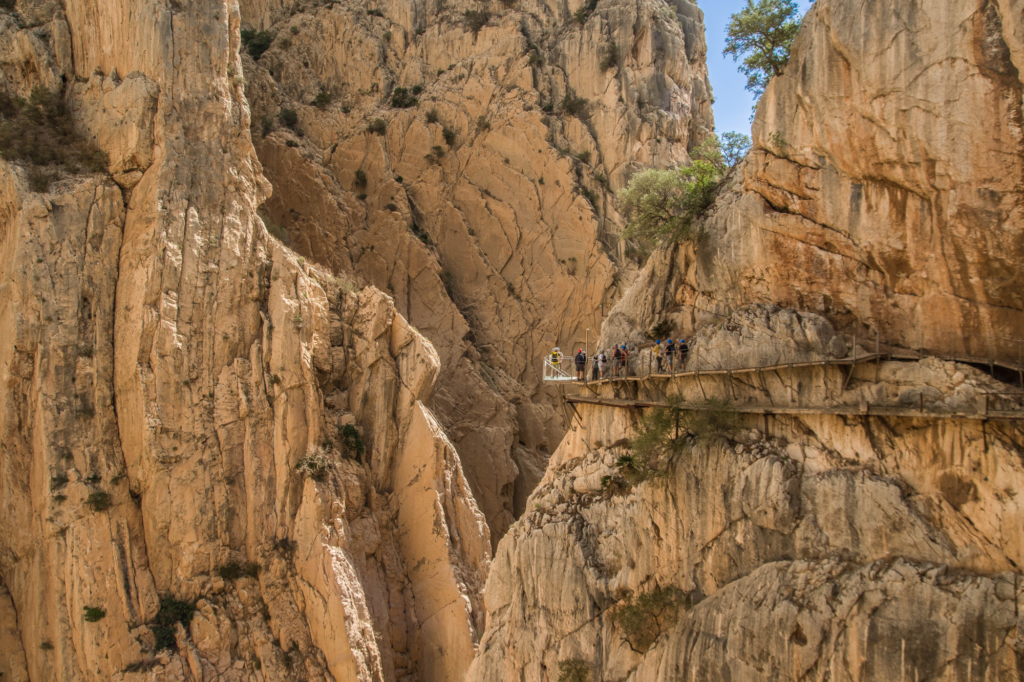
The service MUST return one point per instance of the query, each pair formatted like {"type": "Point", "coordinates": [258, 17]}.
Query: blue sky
{"type": "Point", "coordinates": [732, 101]}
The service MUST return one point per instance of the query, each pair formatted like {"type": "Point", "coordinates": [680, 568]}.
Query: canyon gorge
{"type": "Point", "coordinates": [272, 401]}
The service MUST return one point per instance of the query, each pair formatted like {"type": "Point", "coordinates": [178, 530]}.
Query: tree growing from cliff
{"type": "Point", "coordinates": [734, 147]}
{"type": "Point", "coordinates": [662, 205]}
{"type": "Point", "coordinates": [762, 33]}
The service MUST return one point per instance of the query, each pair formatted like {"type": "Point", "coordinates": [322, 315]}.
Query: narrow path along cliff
{"type": "Point", "coordinates": [277, 278]}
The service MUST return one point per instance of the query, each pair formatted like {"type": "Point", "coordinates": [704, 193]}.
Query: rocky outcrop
{"type": "Point", "coordinates": [807, 539]}
{"type": "Point", "coordinates": [808, 545]}
{"type": "Point", "coordinates": [195, 418]}
{"type": "Point", "coordinates": [486, 208]}
{"type": "Point", "coordinates": [883, 189]}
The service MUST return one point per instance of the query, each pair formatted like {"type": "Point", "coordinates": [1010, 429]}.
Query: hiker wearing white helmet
{"type": "Point", "coordinates": [556, 358]}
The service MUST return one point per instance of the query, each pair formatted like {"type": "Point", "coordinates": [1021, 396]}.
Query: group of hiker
{"type": "Point", "coordinates": [668, 357]}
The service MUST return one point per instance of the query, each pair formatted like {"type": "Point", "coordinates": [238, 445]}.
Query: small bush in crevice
{"type": "Point", "coordinates": [92, 614]}
{"type": "Point", "coordinates": [449, 136]}
{"type": "Point", "coordinates": [291, 143]}
{"type": "Point", "coordinates": [573, 670]}
{"type": "Point", "coordinates": [360, 178]}
{"type": "Point", "coordinates": [377, 126]}
{"type": "Point", "coordinates": [390, 206]}
{"type": "Point", "coordinates": [642, 619]}
{"type": "Point", "coordinates": [234, 570]}
{"type": "Point", "coordinates": [574, 106]}
{"type": "Point", "coordinates": [98, 501]}
{"type": "Point", "coordinates": [349, 434]}
{"type": "Point", "coordinates": [611, 57]}
{"type": "Point", "coordinates": [322, 100]}
{"type": "Point", "coordinates": [288, 118]}
{"type": "Point", "coordinates": [432, 116]}
{"type": "Point", "coordinates": [315, 464]}
{"type": "Point", "coordinates": [401, 98]}
{"type": "Point", "coordinates": [661, 330]}
{"type": "Point", "coordinates": [476, 19]}
{"type": "Point", "coordinates": [171, 611]}
{"type": "Point", "coordinates": [256, 43]}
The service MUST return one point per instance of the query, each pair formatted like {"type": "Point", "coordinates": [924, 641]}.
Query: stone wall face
{"type": "Point", "coordinates": [808, 546]}
{"type": "Point", "coordinates": [486, 210]}
{"type": "Point", "coordinates": [883, 189]}
{"type": "Point", "coordinates": [190, 412]}
{"type": "Point", "coordinates": [881, 200]}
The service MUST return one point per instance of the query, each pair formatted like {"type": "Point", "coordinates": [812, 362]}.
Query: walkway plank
{"type": "Point", "coordinates": [845, 410]}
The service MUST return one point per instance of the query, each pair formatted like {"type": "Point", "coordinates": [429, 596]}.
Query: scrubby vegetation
{"type": "Point", "coordinates": [662, 205]}
{"type": "Point", "coordinates": [349, 434]}
{"type": "Point", "coordinates": [171, 611]}
{"type": "Point", "coordinates": [315, 464]}
{"type": "Point", "coordinates": [574, 106]}
{"type": "Point", "coordinates": [40, 134]}
{"type": "Point", "coordinates": [449, 136]}
{"type": "Point", "coordinates": [665, 433]}
{"type": "Point", "coordinates": [377, 126]}
{"type": "Point", "coordinates": [476, 19]}
{"type": "Point", "coordinates": [573, 670]}
{"type": "Point", "coordinates": [611, 57]}
{"type": "Point", "coordinates": [288, 118]}
{"type": "Point", "coordinates": [98, 501]}
{"type": "Point", "coordinates": [256, 43]}
{"type": "Point", "coordinates": [234, 570]}
{"type": "Point", "coordinates": [401, 98]}
{"type": "Point", "coordinates": [322, 99]}
{"type": "Point", "coordinates": [642, 619]}
{"type": "Point", "coordinates": [92, 614]}
{"type": "Point", "coordinates": [583, 13]}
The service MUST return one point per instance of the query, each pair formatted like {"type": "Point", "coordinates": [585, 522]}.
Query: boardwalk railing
{"type": "Point", "coordinates": [642, 361]}
{"type": "Point", "coordinates": [554, 372]}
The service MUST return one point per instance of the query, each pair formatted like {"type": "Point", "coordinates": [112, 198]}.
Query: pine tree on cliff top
{"type": "Point", "coordinates": [762, 34]}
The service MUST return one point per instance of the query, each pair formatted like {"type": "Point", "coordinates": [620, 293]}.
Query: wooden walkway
{"type": "Point", "coordinates": [841, 362]}
{"type": "Point", "coordinates": [845, 410]}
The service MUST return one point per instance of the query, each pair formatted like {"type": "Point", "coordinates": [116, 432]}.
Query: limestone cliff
{"type": "Point", "coordinates": [883, 189]}
{"type": "Point", "coordinates": [881, 201]}
{"type": "Point", "coordinates": [193, 417]}
{"type": "Point", "coordinates": [485, 208]}
{"type": "Point", "coordinates": [807, 545]}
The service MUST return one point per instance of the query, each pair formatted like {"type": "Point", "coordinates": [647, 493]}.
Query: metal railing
{"type": "Point", "coordinates": [553, 372]}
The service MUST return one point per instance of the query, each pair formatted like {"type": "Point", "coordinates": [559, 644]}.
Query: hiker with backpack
{"type": "Point", "coordinates": [670, 352]}
{"type": "Point", "coordinates": [658, 354]}
{"type": "Point", "coordinates": [616, 362]}
{"type": "Point", "coordinates": [594, 372]}
{"type": "Point", "coordinates": [684, 352]}
{"type": "Point", "coordinates": [624, 359]}
{"type": "Point", "coordinates": [602, 362]}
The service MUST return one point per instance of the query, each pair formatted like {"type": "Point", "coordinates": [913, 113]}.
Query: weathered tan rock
{"type": "Point", "coordinates": [160, 348]}
{"type": "Point", "coordinates": [753, 526]}
{"type": "Point", "coordinates": [516, 258]}
{"type": "Point", "coordinates": [883, 188]}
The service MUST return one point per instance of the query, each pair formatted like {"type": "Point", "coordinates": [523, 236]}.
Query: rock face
{"type": "Point", "coordinates": [883, 189]}
{"type": "Point", "coordinates": [192, 416]}
{"type": "Point", "coordinates": [485, 209]}
{"type": "Point", "coordinates": [880, 200]}
{"type": "Point", "coordinates": [809, 546]}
